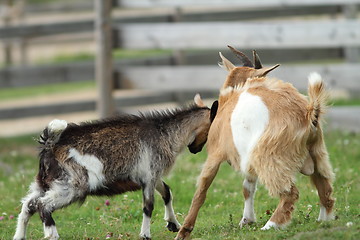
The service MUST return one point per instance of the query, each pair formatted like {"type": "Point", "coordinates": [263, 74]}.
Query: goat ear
{"type": "Point", "coordinates": [264, 71]}
{"type": "Point", "coordinates": [213, 110]}
{"type": "Point", "coordinates": [226, 64]}
{"type": "Point", "coordinates": [198, 101]}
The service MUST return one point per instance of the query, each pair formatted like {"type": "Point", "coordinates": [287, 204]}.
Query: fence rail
{"type": "Point", "coordinates": [296, 34]}
{"type": "Point", "coordinates": [211, 25]}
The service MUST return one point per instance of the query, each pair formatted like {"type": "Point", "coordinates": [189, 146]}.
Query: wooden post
{"type": "Point", "coordinates": [352, 54]}
{"type": "Point", "coordinates": [104, 63]}
{"type": "Point", "coordinates": [23, 42]}
{"type": "Point", "coordinates": [8, 60]}
{"type": "Point", "coordinates": [178, 54]}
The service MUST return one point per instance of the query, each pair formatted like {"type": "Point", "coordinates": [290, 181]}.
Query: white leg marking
{"type": "Point", "coordinates": [248, 122]}
{"type": "Point", "coordinates": [24, 216]}
{"type": "Point", "coordinates": [170, 215]}
{"type": "Point", "coordinates": [22, 222]}
{"type": "Point", "coordinates": [249, 213]}
{"type": "Point", "coordinates": [269, 225]}
{"type": "Point", "coordinates": [145, 227]}
{"type": "Point", "coordinates": [50, 232]}
{"type": "Point", "coordinates": [93, 165]}
{"type": "Point", "coordinates": [323, 216]}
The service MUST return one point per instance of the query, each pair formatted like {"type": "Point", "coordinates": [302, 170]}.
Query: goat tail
{"type": "Point", "coordinates": [317, 98]}
{"type": "Point", "coordinates": [49, 168]}
{"type": "Point", "coordinates": [52, 132]}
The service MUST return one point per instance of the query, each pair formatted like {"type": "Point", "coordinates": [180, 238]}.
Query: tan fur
{"type": "Point", "coordinates": [282, 214]}
{"type": "Point", "coordinates": [291, 143]}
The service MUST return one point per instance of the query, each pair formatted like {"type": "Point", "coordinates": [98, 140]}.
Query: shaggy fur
{"type": "Point", "coordinates": [113, 156]}
{"type": "Point", "coordinates": [291, 142]}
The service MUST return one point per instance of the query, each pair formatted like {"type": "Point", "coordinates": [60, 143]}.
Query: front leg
{"type": "Point", "coordinates": [173, 225]}
{"type": "Point", "coordinates": [148, 206]}
{"type": "Point", "coordinates": [207, 175]}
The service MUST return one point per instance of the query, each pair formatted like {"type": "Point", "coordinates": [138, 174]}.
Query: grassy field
{"type": "Point", "coordinates": [219, 216]}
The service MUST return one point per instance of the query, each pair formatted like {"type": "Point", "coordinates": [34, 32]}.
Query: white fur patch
{"type": "Point", "coordinates": [170, 215]}
{"type": "Point", "coordinates": [248, 122]}
{"type": "Point", "coordinates": [314, 78]}
{"type": "Point", "coordinates": [142, 170]}
{"type": "Point", "coordinates": [59, 195]}
{"type": "Point", "coordinates": [93, 165]}
{"type": "Point", "coordinates": [269, 225]}
{"type": "Point", "coordinates": [323, 216]}
{"type": "Point", "coordinates": [51, 233]}
{"type": "Point", "coordinates": [226, 91]}
{"type": "Point", "coordinates": [249, 213]}
{"type": "Point", "coordinates": [23, 218]}
{"type": "Point", "coordinates": [57, 125]}
{"type": "Point", "coordinates": [145, 227]}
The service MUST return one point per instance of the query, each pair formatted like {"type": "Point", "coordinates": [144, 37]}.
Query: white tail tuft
{"type": "Point", "coordinates": [57, 125]}
{"type": "Point", "coordinates": [314, 78]}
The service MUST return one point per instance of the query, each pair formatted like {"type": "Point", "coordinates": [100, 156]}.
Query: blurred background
{"type": "Point", "coordinates": [80, 60]}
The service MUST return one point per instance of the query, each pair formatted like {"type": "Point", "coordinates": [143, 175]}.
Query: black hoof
{"type": "Point", "coordinates": [172, 227]}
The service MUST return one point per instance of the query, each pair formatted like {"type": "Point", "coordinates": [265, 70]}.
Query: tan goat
{"type": "Point", "coordinates": [269, 131]}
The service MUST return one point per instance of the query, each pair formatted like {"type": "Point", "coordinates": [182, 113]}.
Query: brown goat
{"type": "Point", "coordinates": [269, 131]}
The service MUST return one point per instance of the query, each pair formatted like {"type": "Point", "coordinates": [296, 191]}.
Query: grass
{"type": "Point", "coordinates": [46, 89]}
{"type": "Point", "coordinates": [345, 102]}
{"type": "Point", "coordinates": [218, 218]}
{"type": "Point", "coordinates": [117, 54]}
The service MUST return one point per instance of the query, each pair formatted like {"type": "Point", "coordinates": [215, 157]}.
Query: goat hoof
{"type": "Point", "coordinates": [183, 234]}
{"type": "Point", "coordinates": [245, 221]}
{"type": "Point", "coordinates": [172, 227]}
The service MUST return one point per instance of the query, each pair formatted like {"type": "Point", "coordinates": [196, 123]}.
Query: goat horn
{"type": "Point", "coordinates": [243, 58]}
{"type": "Point", "coordinates": [257, 61]}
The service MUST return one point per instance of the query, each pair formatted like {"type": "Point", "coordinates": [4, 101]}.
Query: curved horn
{"type": "Point", "coordinates": [257, 61]}
{"type": "Point", "coordinates": [243, 58]}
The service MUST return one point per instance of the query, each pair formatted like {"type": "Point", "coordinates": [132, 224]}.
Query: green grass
{"type": "Point", "coordinates": [345, 102]}
{"type": "Point", "coordinates": [218, 218]}
{"type": "Point", "coordinates": [24, 92]}
{"type": "Point", "coordinates": [117, 54]}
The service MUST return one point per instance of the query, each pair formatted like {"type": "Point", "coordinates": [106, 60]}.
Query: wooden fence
{"type": "Point", "coordinates": [329, 27]}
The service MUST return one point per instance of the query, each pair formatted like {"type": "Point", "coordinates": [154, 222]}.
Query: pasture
{"type": "Point", "coordinates": [121, 217]}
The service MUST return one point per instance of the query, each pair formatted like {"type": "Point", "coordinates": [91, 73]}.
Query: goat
{"type": "Point", "coordinates": [113, 156]}
{"type": "Point", "coordinates": [269, 131]}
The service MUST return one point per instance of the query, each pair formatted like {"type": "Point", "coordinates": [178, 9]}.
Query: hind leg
{"type": "Point", "coordinates": [29, 207]}
{"type": "Point", "coordinates": [324, 189]}
{"type": "Point", "coordinates": [50, 231]}
{"type": "Point", "coordinates": [58, 196]}
{"type": "Point", "coordinates": [249, 188]}
{"type": "Point", "coordinates": [173, 225]}
{"type": "Point", "coordinates": [322, 177]}
{"type": "Point", "coordinates": [148, 207]}
{"type": "Point", "coordinates": [282, 214]}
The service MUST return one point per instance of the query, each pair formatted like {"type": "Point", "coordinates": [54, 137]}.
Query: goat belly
{"type": "Point", "coordinates": [248, 122]}
{"type": "Point", "coordinates": [117, 187]}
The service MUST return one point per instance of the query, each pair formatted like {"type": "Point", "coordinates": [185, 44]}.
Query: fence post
{"type": "Point", "coordinates": [23, 44]}
{"type": "Point", "coordinates": [8, 60]}
{"type": "Point", "coordinates": [352, 54]}
{"type": "Point", "coordinates": [178, 54]}
{"type": "Point", "coordinates": [104, 64]}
